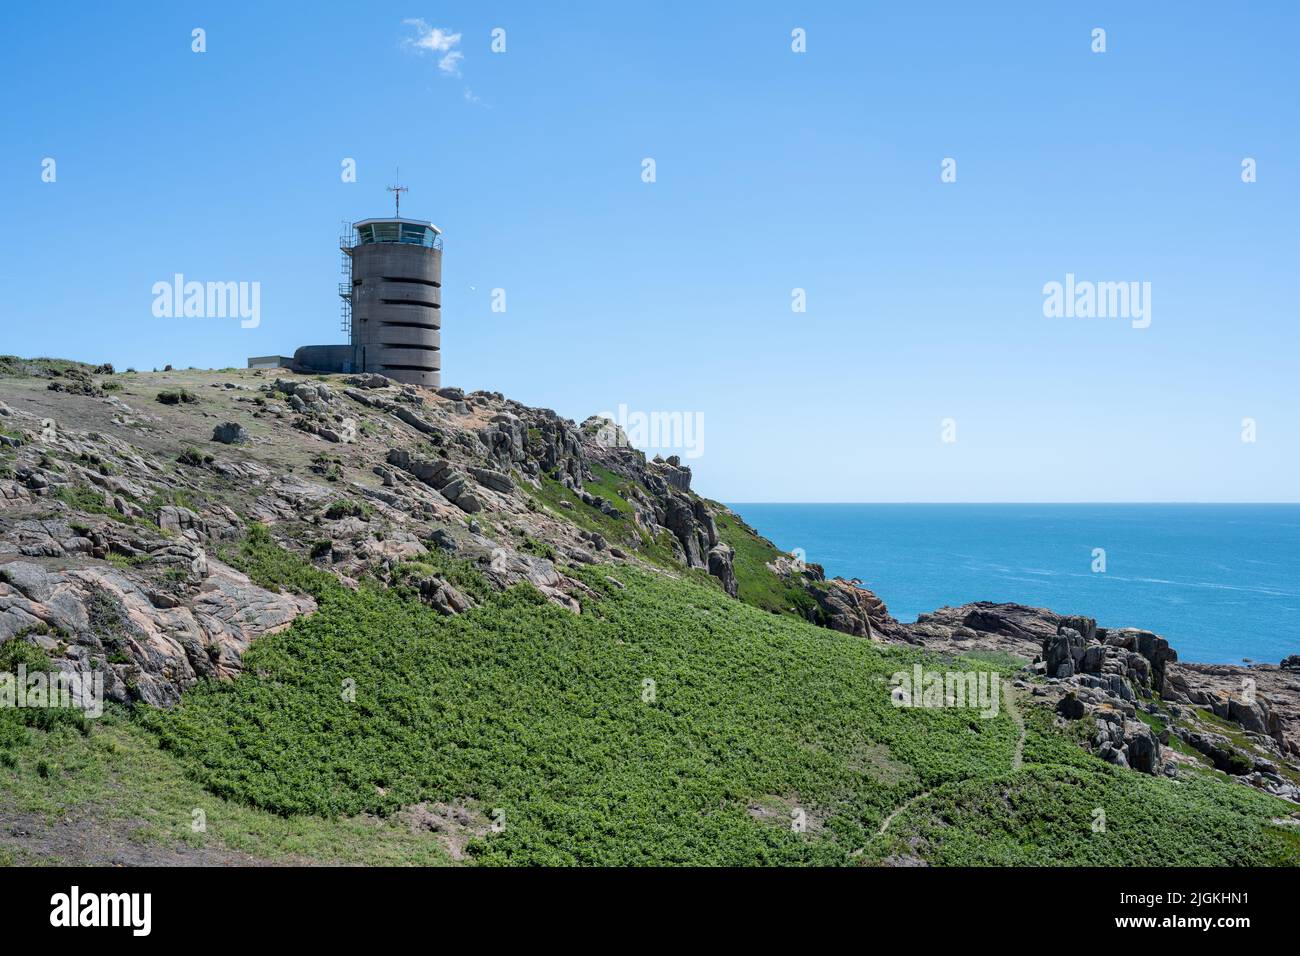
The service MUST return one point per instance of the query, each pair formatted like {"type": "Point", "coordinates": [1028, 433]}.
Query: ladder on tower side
{"type": "Point", "coordinates": [347, 239]}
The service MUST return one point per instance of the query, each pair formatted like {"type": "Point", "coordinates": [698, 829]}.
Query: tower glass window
{"type": "Point", "coordinates": [398, 230]}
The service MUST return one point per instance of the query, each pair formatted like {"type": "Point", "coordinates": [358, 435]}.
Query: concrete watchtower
{"type": "Point", "coordinates": [396, 299]}
{"type": "Point", "coordinates": [392, 304]}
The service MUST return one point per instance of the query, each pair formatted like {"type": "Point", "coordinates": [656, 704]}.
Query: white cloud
{"type": "Point", "coordinates": [435, 40]}
{"type": "Point", "coordinates": [448, 63]}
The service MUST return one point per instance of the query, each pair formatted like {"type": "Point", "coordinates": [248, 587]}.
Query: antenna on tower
{"type": "Point", "coordinates": [397, 190]}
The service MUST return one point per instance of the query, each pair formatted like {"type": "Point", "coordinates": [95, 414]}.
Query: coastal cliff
{"type": "Point", "coordinates": [128, 502]}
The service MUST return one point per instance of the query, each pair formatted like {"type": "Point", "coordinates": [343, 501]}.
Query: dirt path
{"type": "Point", "coordinates": [1017, 755]}
{"type": "Point", "coordinates": [1009, 695]}
{"type": "Point", "coordinates": [897, 810]}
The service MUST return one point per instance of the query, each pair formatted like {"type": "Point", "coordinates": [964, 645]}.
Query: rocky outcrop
{"type": "Point", "coordinates": [1105, 674]}
{"type": "Point", "coordinates": [496, 480]}
{"type": "Point", "coordinates": [1263, 699]}
{"type": "Point", "coordinates": [673, 472]}
{"type": "Point", "coordinates": [841, 605]}
{"type": "Point", "coordinates": [721, 558]}
{"type": "Point", "coordinates": [369, 380]}
{"type": "Point", "coordinates": [454, 485]}
{"type": "Point", "coordinates": [1013, 628]}
{"type": "Point", "coordinates": [230, 433]}
{"type": "Point", "coordinates": [148, 640]}
{"type": "Point", "coordinates": [1124, 661]}
{"type": "Point", "coordinates": [853, 609]}
{"type": "Point", "coordinates": [1112, 675]}
{"type": "Point", "coordinates": [693, 527]}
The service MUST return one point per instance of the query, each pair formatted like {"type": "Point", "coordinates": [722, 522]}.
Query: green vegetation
{"type": "Point", "coordinates": [116, 783]}
{"type": "Point", "coordinates": [756, 583]}
{"type": "Point", "coordinates": [97, 463]}
{"type": "Point", "coordinates": [1241, 763]}
{"type": "Point", "coordinates": [546, 716]}
{"type": "Point", "coordinates": [331, 469]}
{"type": "Point", "coordinates": [665, 724]}
{"type": "Point", "coordinates": [178, 397]}
{"type": "Point", "coordinates": [538, 548]}
{"type": "Point", "coordinates": [1003, 660]}
{"type": "Point", "coordinates": [42, 367]}
{"type": "Point", "coordinates": [619, 531]}
{"type": "Point", "coordinates": [17, 723]}
{"type": "Point", "coordinates": [610, 486]}
{"type": "Point", "coordinates": [1047, 814]}
{"type": "Point", "coordinates": [528, 708]}
{"type": "Point", "coordinates": [88, 500]}
{"type": "Point", "coordinates": [563, 503]}
{"type": "Point", "coordinates": [195, 458]}
{"type": "Point", "coordinates": [348, 509]}
{"type": "Point", "coordinates": [171, 496]}
{"type": "Point", "coordinates": [460, 574]}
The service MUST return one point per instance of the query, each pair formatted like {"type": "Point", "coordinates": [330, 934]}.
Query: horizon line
{"type": "Point", "coordinates": [1036, 503]}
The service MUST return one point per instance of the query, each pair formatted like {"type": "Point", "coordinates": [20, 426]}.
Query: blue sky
{"type": "Point", "coordinates": [774, 170]}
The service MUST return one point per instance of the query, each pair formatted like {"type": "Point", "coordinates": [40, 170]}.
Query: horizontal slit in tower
{"type": "Point", "coordinates": [423, 305]}
{"type": "Point", "coordinates": [409, 325]}
{"type": "Point", "coordinates": [420, 348]}
{"type": "Point", "coordinates": [428, 282]}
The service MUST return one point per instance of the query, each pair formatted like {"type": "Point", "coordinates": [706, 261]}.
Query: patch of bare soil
{"type": "Point", "coordinates": [83, 840]}
{"type": "Point", "coordinates": [453, 824]}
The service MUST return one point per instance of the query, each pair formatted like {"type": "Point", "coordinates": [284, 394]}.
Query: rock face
{"type": "Point", "coordinates": [841, 605]}
{"type": "Point", "coordinates": [855, 610]}
{"type": "Point", "coordinates": [693, 527]}
{"type": "Point", "coordinates": [1102, 673]}
{"type": "Point", "coordinates": [674, 473]}
{"type": "Point", "coordinates": [1117, 661]}
{"type": "Point", "coordinates": [1263, 699]}
{"type": "Point", "coordinates": [721, 557]}
{"type": "Point", "coordinates": [1110, 697]}
{"type": "Point", "coordinates": [1013, 628]}
{"type": "Point", "coordinates": [1117, 675]}
{"type": "Point", "coordinates": [119, 507]}
{"type": "Point", "coordinates": [150, 644]}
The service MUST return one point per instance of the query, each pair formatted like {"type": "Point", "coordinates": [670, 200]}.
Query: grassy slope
{"type": "Point", "coordinates": [524, 707]}
{"type": "Point", "coordinates": [621, 532]}
{"type": "Point", "coordinates": [118, 779]}
{"type": "Point", "coordinates": [756, 584]}
{"type": "Point", "coordinates": [57, 765]}
{"type": "Point", "coordinates": [1031, 818]}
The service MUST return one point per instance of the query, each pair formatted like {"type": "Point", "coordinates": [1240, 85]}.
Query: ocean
{"type": "Point", "coordinates": [1221, 582]}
